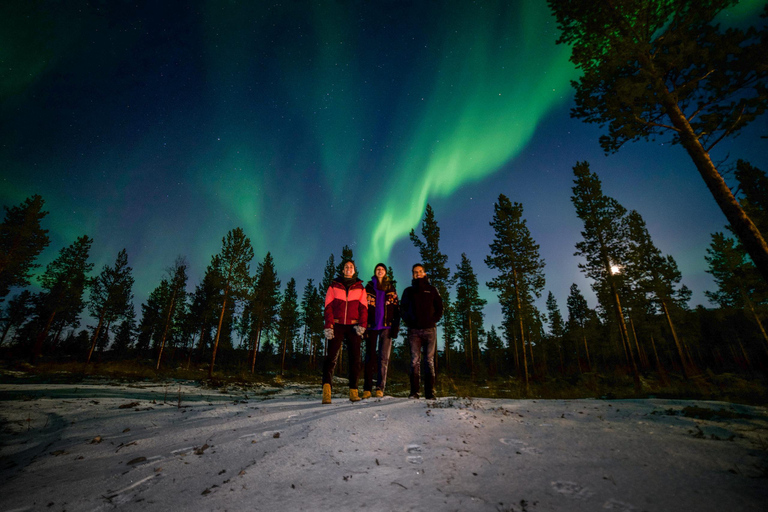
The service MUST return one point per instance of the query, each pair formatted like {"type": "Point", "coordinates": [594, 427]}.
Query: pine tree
{"type": "Point", "coordinates": [288, 324]}
{"type": "Point", "coordinates": [738, 283]}
{"type": "Point", "coordinates": [468, 309]}
{"type": "Point", "coordinates": [22, 239]}
{"type": "Point", "coordinates": [202, 311]}
{"type": "Point", "coordinates": [578, 316]}
{"type": "Point", "coordinates": [667, 68]}
{"type": "Point", "coordinates": [312, 308]}
{"type": "Point", "coordinates": [654, 276]}
{"type": "Point", "coordinates": [494, 346]}
{"type": "Point", "coordinates": [263, 303]}
{"type": "Point", "coordinates": [435, 264]}
{"type": "Point", "coordinates": [17, 312]}
{"type": "Point", "coordinates": [753, 185]}
{"type": "Point", "coordinates": [111, 295]}
{"type": "Point", "coordinates": [604, 247]}
{"type": "Point", "coordinates": [515, 255]}
{"type": "Point", "coordinates": [124, 334]}
{"type": "Point", "coordinates": [231, 275]}
{"type": "Point", "coordinates": [176, 303]}
{"type": "Point", "coordinates": [64, 282]}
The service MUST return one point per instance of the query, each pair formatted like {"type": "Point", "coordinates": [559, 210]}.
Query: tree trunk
{"type": "Point", "coordinates": [677, 341]}
{"type": "Point", "coordinates": [165, 330]}
{"type": "Point", "coordinates": [757, 319]}
{"type": "Point", "coordinates": [282, 364]}
{"type": "Point", "coordinates": [218, 333]}
{"type": "Point", "coordinates": [38, 348]}
{"type": "Point", "coordinates": [471, 353]}
{"type": "Point", "coordinates": [256, 345]}
{"type": "Point", "coordinates": [95, 337]}
{"type": "Point", "coordinates": [586, 349]}
{"type": "Point", "coordinates": [742, 225]}
{"type": "Point", "coordinates": [522, 329]}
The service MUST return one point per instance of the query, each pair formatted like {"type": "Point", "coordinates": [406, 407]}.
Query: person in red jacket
{"type": "Point", "coordinates": [346, 315]}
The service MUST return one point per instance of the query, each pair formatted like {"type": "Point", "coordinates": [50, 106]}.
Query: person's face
{"type": "Point", "coordinates": [380, 273]}
{"type": "Point", "coordinates": [418, 273]}
{"type": "Point", "coordinates": [349, 269]}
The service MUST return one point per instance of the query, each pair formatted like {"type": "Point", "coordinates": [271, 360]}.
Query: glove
{"type": "Point", "coordinates": [359, 329]}
{"type": "Point", "coordinates": [328, 333]}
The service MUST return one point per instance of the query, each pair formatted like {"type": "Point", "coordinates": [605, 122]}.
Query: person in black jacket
{"type": "Point", "coordinates": [383, 327]}
{"type": "Point", "coordinates": [421, 308]}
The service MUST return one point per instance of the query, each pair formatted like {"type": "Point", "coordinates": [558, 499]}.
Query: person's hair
{"type": "Point", "coordinates": [417, 265]}
{"type": "Point", "coordinates": [348, 260]}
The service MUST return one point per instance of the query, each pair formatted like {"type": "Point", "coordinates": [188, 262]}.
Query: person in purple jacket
{"type": "Point", "coordinates": [383, 327]}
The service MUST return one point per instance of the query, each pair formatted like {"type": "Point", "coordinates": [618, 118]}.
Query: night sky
{"type": "Point", "coordinates": [159, 126]}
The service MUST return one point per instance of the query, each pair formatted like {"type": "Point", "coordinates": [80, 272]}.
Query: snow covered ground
{"type": "Point", "coordinates": [99, 445]}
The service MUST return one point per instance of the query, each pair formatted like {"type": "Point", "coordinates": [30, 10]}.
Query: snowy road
{"type": "Point", "coordinates": [66, 447]}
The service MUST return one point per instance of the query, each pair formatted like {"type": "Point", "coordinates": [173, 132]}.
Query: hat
{"type": "Point", "coordinates": [380, 265]}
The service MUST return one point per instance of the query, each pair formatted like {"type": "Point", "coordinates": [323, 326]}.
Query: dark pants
{"type": "Point", "coordinates": [378, 345]}
{"type": "Point", "coordinates": [426, 340]}
{"type": "Point", "coordinates": [343, 333]}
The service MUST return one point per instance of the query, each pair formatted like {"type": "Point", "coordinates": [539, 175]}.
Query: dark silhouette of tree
{"type": "Point", "coordinates": [288, 324]}
{"type": "Point", "coordinates": [578, 316]}
{"type": "Point", "coordinates": [63, 282]}
{"type": "Point", "coordinates": [22, 239]}
{"type": "Point", "coordinates": [494, 347]}
{"type": "Point", "coordinates": [312, 306]}
{"type": "Point", "coordinates": [176, 302]}
{"type": "Point", "coordinates": [201, 314]}
{"type": "Point", "coordinates": [16, 312]}
{"type": "Point", "coordinates": [125, 334]}
{"type": "Point", "coordinates": [468, 309]}
{"type": "Point", "coordinates": [263, 303]}
{"type": "Point", "coordinates": [654, 276]}
{"type": "Point", "coordinates": [666, 68]}
{"type": "Point", "coordinates": [391, 276]}
{"type": "Point", "coordinates": [111, 295]}
{"type": "Point", "coordinates": [436, 266]}
{"type": "Point", "coordinates": [738, 284]}
{"type": "Point", "coordinates": [604, 246]}
{"type": "Point", "coordinates": [230, 275]}
{"type": "Point", "coordinates": [556, 324]}
{"type": "Point", "coordinates": [753, 185]}
{"type": "Point", "coordinates": [515, 256]}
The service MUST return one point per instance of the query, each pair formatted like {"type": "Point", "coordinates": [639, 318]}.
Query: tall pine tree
{"type": "Point", "coordinates": [515, 256]}
{"type": "Point", "coordinates": [111, 295]}
{"type": "Point", "coordinates": [22, 239]}
{"type": "Point", "coordinates": [231, 275]}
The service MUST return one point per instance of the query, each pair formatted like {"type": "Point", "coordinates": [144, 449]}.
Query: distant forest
{"type": "Point", "coordinates": [244, 321]}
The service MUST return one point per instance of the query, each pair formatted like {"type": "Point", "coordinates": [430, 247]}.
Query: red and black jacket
{"type": "Point", "coordinates": [347, 307]}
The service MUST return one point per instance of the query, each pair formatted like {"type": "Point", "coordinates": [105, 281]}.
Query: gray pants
{"type": "Point", "coordinates": [377, 350]}
{"type": "Point", "coordinates": [423, 340]}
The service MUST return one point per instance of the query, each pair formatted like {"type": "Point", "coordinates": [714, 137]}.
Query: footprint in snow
{"type": "Point", "coordinates": [380, 417]}
{"type": "Point", "coordinates": [572, 490]}
{"type": "Point", "coordinates": [412, 450]}
{"type": "Point", "coordinates": [292, 418]}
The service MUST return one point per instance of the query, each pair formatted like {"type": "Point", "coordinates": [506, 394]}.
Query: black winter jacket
{"type": "Point", "coordinates": [421, 306]}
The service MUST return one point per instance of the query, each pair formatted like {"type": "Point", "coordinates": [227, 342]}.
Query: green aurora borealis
{"type": "Point", "coordinates": [314, 125]}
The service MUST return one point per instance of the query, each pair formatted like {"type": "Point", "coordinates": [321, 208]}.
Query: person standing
{"type": "Point", "coordinates": [421, 308]}
{"type": "Point", "coordinates": [346, 315]}
{"type": "Point", "coordinates": [383, 327]}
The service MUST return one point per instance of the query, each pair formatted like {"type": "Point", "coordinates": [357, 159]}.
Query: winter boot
{"type": "Point", "coordinates": [366, 394]}
{"type": "Point", "coordinates": [429, 383]}
{"type": "Point", "coordinates": [353, 397]}
{"type": "Point", "coordinates": [379, 393]}
{"type": "Point", "coordinates": [415, 385]}
{"type": "Point", "coordinates": [326, 393]}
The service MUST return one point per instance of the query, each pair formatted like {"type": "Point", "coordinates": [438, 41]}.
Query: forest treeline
{"type": "Point", "coordinates": [241, 317]}
{"type": "Point", "coordinates": [647, 70]}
